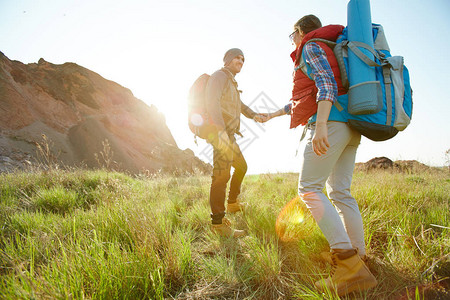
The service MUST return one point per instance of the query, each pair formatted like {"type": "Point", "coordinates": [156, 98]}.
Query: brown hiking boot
{"type": "Point", "coordinates": [235, 207]}
{"type": "Point", "coordinates": [348, 274]}
{"type": "Point", "coordinates": [225, 229]}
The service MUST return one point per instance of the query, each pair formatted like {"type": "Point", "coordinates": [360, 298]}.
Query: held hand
{"type": "Point", "coordinates": [320, 139]}
{"type": "Point", "coordinates": [261, 118]}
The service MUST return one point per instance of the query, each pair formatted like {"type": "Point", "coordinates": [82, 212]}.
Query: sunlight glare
{"type": "Point", "coordinates": [290, 224]}
{"type": "Point", "coordinates": [197, 120]}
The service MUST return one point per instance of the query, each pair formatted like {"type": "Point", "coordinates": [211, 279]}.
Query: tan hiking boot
{"type": "Point", "coordinates": [348, 274]}
{"type": "Point", "coordinates": [225, 229]}
{"type": "Point", "coordinates": [226, 221]}
{"type": "Point", "coordinates": [326, 256]}
{"type": "Point", "coordinates": [235, 207]}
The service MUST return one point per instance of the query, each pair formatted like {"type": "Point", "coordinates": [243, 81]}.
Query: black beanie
{"type": "Point", "coordinates": [230, 54]}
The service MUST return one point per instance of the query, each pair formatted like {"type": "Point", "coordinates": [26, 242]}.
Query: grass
{"type": "Point", "coordinates": [104, 235]}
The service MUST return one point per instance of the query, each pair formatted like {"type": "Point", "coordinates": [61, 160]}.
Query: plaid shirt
{"type": "Point", "coordinates": [321, 72]}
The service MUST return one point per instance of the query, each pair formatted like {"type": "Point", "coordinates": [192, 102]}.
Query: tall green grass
{"type": "Point", "coordinates": [104, 235]}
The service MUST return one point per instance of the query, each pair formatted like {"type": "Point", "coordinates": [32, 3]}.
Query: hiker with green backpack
{"type": "Point", "coordinates": [214, 112]}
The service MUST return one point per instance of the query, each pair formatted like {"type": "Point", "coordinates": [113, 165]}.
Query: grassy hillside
{"type": "Point", "coordinates": [103, 235]}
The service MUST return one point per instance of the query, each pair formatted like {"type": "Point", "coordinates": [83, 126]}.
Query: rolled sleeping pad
{"type": "Point", "coordinates": [364, 94]}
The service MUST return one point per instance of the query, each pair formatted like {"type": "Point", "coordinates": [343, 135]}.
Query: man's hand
{"type": "Point", "coordinates": [320, 139]}
{"type": "Point", "coordinates": [261, 118]}
{"type": "Point", "coordinates": [264, 117]}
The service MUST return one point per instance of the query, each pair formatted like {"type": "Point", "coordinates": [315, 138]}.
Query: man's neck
{"type": "Point", "coordinates": [229, 70]}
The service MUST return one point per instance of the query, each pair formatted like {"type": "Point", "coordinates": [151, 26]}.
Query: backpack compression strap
{"type": "Point", "coordinates": [385, 65]}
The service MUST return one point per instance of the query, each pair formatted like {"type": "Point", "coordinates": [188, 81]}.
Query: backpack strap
{"type": "Point", "coordinates": [337, 48]}
{"type": "Point", "coordinates": [235, 84]}
{"type": "Point", "coordinates": [354, 47]}
{"type": "Point", "coordinates": [230, 76]}
{"type": "Point", "coordinates": [387, 88]}
{"type": "Point", "coordinates": [329, 43]}
{"type": "Point", "coordinates": [339, 54]}
{"type": "Point", "coordinates": [302, 64]}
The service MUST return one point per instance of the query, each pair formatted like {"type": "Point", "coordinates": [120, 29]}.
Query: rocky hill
{"type": "Point", "coordinates": [82, 116]}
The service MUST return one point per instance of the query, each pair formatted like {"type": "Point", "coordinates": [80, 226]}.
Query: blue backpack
{"type": "Point", "coordinates": [393, 110]}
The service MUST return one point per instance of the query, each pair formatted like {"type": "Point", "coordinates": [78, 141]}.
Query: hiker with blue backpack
{"type": "Point", "coordinates": [346, 84]}
{"type": "Point", "coordinates": [329, 155]}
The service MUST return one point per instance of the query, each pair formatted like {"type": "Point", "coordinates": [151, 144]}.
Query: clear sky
{"type": "Point", "coordinates": [158, 48]}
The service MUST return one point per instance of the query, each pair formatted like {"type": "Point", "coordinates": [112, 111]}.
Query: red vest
{"type": "Point", "coordinates": [304, 91]}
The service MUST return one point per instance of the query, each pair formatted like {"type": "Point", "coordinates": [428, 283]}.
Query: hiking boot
{"type": "Point", "coordinates": [235, 207]}
{"type": "Point", "coordinates": [348, 274]}
{"type": "Point", "coordinates": [226, 221]}
{"type": "Point", "coordinates": [225, 229]}
{"type": "Point", "coordinates": [326, 256]}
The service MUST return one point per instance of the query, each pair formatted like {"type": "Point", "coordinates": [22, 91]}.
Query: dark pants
{"type": "Point", "coordinates": [223, 161]}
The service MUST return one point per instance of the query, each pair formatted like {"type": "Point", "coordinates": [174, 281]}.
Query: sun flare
{"type": "Point", "coordinates": [290, 224]}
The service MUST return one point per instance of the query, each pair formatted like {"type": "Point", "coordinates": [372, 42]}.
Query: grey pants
{"type": "Point", "coordinates": [340, 219]}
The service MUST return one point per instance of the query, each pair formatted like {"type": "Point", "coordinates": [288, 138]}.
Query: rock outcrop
{"type": "Point", "coordinates": [384, 163]}
{"type": "Point", "coordinates": [82, 116]}
{"type": "Point", "coordinates": [379, 163]}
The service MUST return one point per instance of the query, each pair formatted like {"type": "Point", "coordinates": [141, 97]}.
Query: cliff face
{"type": "Point", "coordinates": [79, 111]}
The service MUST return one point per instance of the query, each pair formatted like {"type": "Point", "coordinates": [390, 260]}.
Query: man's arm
{"type": "Point", "coordinates": [247, 111]}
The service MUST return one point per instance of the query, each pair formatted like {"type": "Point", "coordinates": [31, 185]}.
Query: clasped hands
{"type": "Point", "coordinates": [262, 117]}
